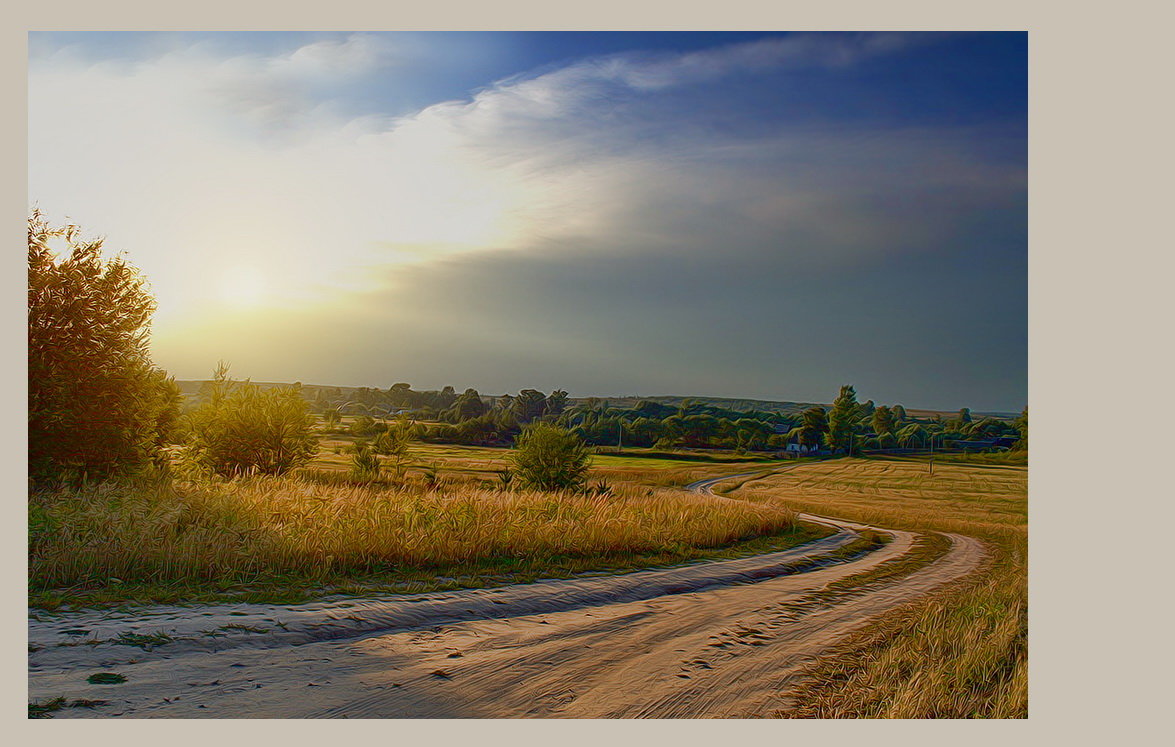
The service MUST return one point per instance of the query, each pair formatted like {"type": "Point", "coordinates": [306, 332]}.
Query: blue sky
{"type": "Point", "coordinates": [727, 214]}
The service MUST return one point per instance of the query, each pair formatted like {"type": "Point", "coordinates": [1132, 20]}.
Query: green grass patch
{"type": "Point", "coordinates": [106, 678]}
{"type": "Point", "coordinates": [46, 709]}
{"type": "Point", "coordinates": [145, 641]}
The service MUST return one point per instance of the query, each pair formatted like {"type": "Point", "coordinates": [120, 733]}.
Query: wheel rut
{"type": "Point", "coordinates": [712, 639]}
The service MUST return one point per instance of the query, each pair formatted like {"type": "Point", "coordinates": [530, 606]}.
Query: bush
{"type": "Point", "coordinates": [547, 457]}
{"type": "Point", "coordinates": [392, 442]}
{"type": "Point", "coordinates": [243, 428]}
{"type": "Point", "coordinates": [363, 426]}
{"type": "Point", "coordinates": [364, 464]}
{"type": "Point", "coordinates": [97, 405]}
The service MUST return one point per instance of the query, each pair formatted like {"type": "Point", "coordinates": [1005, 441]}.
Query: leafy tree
{"type": "Point", "coordinates": [813, 426]}
{"type": "Point", "coordinates": [244, 428]}
{"type": "Point", "coordinates": [393, 442]}
{"type": "Point", "coordinates": [547, 457]}
{"type": "Point", "coordinates": [1021, 426]}
{"type": "Point", "coordinates": [866, 410]}
{"type": "Point", "coordinates": [478, 431]}
{"type": "Point", "coordinates": [912, 435]}
{"type": "Point", "coordinates": [529, 405]}
{"type": "Point", "coordinates": [97, 404]}
{"type": "Point", "coordinates": [965, 415]}
{"type": "Point", "coordinates": [556, 403]}
{"type": "Point", "coordinates": [842, 418]}
{"type": "Point", "coordinates": [398, 394]}
{"type": "Point", "coordinates": [883, 420]}
{"type": "Point", "coordinates": [899, 414]}
{"type": "Point", "coordinates": [468, 405]}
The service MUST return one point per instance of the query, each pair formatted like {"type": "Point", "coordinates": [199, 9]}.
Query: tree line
{"type": "Point", "coordinates": [847, 425]}
{"type": "Point", "coordinates": [99, 407]}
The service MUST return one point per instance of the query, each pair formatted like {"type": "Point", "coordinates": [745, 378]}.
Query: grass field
{"type": "Point", "coordinates": [289, 539]}
{"type": "Point", "coordinates": [444, 522]}
{"type": "Point", "coordinates": [959, 654]}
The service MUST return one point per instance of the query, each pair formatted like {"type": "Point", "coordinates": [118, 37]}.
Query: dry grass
{"type": "Point", "coordinates": [960, 654]}
{"type": "Point", "coordinates": [215, 535]}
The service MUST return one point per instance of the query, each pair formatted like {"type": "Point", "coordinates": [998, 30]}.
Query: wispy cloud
{"type": "Point", "coordinates": [194, 160]}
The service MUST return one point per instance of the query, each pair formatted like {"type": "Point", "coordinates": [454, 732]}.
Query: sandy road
{"type": "Point", "coordinates": [715, 639]}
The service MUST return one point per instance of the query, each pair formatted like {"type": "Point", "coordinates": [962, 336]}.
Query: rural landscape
{"type": "Point", "coordinates": [642, 478]}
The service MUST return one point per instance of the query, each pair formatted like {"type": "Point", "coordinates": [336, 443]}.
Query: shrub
{"type": "Point", "coordinates": [363, 426]}
{"type": "Point", "coordinates": [97, 405]}
{"type": "Point", "coordinates": [393, 442]}
{"type": "Point", "coordinates": [243, 428]}
{"type": "Point", "coordinates": [364, 464]}
{"type": "Point", "coordinates": [547, 457]}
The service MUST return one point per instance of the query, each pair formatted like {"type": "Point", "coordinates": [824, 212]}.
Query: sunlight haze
{"type": "Point", "coordinates": [747, 215]}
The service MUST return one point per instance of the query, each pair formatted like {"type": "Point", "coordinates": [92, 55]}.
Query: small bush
{"type": "Point", "coordinates": [242, 428]}
{"type": "Point", "coordinates": [364, 464]}
{"type": "Point", "coordinates": [547, 457]}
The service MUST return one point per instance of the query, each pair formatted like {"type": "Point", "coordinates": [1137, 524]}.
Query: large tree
{"type": "Point", "coordinates": [842, 419]}
{"type": "Point", "coordinates": [97, 404]}
{"type": "Point", "coordinates": [813, 426]}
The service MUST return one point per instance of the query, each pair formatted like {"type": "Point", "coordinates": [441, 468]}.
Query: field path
{"type": "Point", "coordinates": [712, 639]}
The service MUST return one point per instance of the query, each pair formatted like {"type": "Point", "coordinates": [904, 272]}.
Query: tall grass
{"type": "Point", "coordinates": [962, 653]}
{"type": "Point", "coordinates": [251, 530]}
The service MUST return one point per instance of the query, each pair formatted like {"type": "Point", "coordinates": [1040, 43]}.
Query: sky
{"type": "Point", "coordinates": [760, 215]}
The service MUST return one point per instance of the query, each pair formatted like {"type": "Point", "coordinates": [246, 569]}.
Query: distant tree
{"type": "Point", "coordinates": [244, 428]}
{"type": "Point", "coordinates": [479, 431]}
{"type": "Point", "coordinates": [399, 395]}
{"type": "Point", "coordinates": [556, 403]}
{"type": "Point", "coordinates": [883, 420]}
{"type": "Point", "coordinates": [1021, 426]}
{"type": "Point", "coordinates": [97, 405]}
{"type": "Point", "coordinates": [899, 414]}
{"type": "Point", "coordinates": [467, 406]}
{"type": "Point", "coordinates": [547, 457]}
{"type": "Point", "coordinates": [965, 415]}
{"type": "Point", "coordinates": [392, 443]}
{"type": "Point", "coordinates": [865, 411]}
{"type": "Point", "coordinates": [813, 426]}
{"type": "Point", "coordinates": [911, 435]}
{"type": "Point", "coordinates": [651, 409]}
{"type": "Point", "coordinates": [842, 419]}
{"type": "Point", "coordinates": [529, 405]}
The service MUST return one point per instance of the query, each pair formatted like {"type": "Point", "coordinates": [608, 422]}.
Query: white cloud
{"type": "Point", "coordinates": [194, 162]}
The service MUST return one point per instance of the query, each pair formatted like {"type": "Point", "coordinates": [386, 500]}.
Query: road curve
{"type": "Point", "coordinates": [712, 639]}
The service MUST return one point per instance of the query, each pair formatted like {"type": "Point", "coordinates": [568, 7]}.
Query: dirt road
{"type": "Point", "coordinates": [714, 639]}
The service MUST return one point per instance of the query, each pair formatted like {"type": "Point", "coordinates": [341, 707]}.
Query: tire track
{"type": "Point", "coordinates": [719, 638]}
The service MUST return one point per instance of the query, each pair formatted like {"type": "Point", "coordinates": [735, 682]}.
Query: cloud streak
{"type": "Point", "coordinates": [673, 168]}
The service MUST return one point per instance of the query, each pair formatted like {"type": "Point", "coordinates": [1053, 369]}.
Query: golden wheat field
{"type": "Point", "coordinates": [186, 536]}
{"type": "Point", "coordinates": [959, 654]}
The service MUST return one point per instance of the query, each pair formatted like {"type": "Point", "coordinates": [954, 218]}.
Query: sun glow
{"type": "Point", "coordinates": [243, 287]}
